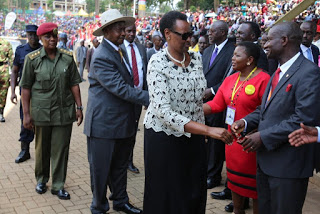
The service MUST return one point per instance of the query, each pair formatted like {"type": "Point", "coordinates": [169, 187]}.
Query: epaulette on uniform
{"type": "Point", "coordinates": [33, 54]}
{"type": "Point", "coordinates": [70, 53]}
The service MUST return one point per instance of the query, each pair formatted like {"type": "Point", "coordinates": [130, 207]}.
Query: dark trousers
{"type": "Point", "coordinates": [280, 195]}
{"type": "Point", "coordinates": [108, 160]}
{"type": "Point", "coordinates": [175, 174]}
{"type": "Point", "coordinates": [138, 109]}
{"type": "Point", "coordinates": [26, 135]}
{"type": "Point", "coordinates": [216, 157]}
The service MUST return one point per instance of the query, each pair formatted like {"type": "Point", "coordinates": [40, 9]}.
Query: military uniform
{"type": "Point", "coordinates": [52, 109]}
{"type": "Point", "coordinates": [6, 58]}
{"type": "Point", "coordinates": [21, 51]}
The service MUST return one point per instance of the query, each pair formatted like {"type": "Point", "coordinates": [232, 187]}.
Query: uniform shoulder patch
{"type": "Point", "coordinates": [34, 54]}
{"type": "Point", "coordinates": [70, 53]}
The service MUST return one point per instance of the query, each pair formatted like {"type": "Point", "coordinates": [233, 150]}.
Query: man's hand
{"type": "Point", "coordinates": [305, 135]}
{"type": "Point", "coordinates": [251, 143]}
{"type": "Point", "coordinates": [79, 117]}
{"type": "Point", "coordinates": [221, 134]}
{"type": "Point", "coordinates": [27, 122]}
{"type": "Point", "coordinates": [78, 64]}
{"type": "Point", "coordinates": [237, 127]}
{"type": "Point", "coordinates": [208, 94]}
{"type": "Point", "coordinates": [13, 98]}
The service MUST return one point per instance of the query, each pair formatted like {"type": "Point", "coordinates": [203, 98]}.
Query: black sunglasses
{"type": "Point", "coordinates": [184, 36]}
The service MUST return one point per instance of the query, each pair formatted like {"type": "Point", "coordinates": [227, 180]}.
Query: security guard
{"type": "Point", "coordinates": [26, 135]}
{"type": "Point", "coordinates": [50, 89]}
{"type": "Point", "coordinates": [6, 58]}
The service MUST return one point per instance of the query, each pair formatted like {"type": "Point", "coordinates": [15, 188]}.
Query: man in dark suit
{"type": "Point", "coordinates": [309, 50]}
{"type": "Point", "coordinates": [250, 31]}
{"type": "Point", "coordinates": [136, 57]}
{"type": "Point", "coordinates": [90, 52]}
{"type": "Point", "coordinates": [157, 44]}
{"type": "Point", "coordinates": [216, 60]}
{"type": "Point", "coordinates": [290, 98]}
{"type": "Point", "coordinates": [110, 123]}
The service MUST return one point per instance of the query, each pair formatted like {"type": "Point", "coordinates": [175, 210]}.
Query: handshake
{"type": "Point", "coordinates": [250, 143]}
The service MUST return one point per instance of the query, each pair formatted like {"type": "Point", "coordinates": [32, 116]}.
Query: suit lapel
{"type": "Point", "coordinates": [206, 60]}
{"type": "Point", "coordinates": [290, 72]}
{"type": "Point", "coordinates": [220, 55]}
{"type": "Point", "coordinates": [122, 67]}
{"type": "Point", "coordinates": [125, 56]}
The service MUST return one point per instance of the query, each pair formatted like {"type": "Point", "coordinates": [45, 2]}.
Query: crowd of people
{"type": "Point", "coordinates": [214, 89]}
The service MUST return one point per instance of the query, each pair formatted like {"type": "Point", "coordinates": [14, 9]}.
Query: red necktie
{"type": "Point", "coordinates": [134, 67]}
{"type": "Point", "coordinates": [274, 82]}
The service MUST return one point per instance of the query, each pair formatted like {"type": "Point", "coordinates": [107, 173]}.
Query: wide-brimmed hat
{"type": "Point", "coordinates": [112, 16]}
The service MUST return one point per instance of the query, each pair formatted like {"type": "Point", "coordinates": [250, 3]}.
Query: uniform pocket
{"type": "Point", "coordinates": [43, 78]}
{"type": "Point", "coordinates": [41, 110]}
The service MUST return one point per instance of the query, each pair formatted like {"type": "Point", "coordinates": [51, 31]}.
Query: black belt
{"type": "Point", "coordinates": [3, 63]}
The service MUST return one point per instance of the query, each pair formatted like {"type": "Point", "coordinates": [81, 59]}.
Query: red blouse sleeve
{"type": "Point", "coordinates": [218, 104]}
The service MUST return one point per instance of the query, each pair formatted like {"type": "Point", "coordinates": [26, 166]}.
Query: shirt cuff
{"type": "Point", "coordinates": [245, 125]}
{"type": "Point", "coordinates": [212, 91]}
{"type": "Point", "coordinates": [318, 128]}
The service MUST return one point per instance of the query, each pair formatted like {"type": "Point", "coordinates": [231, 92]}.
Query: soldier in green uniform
{"type": "Point", "coordinates": [50, 89]}
{"type": "Point", "coordinates": [6, 58]}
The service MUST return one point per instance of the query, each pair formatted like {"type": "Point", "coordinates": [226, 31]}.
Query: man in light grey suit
{"type": "Point", "coordinates": [81, 58]}
{"type": "Point", "coordinates": [136, 57]}
{"type": "Point", "coordinates": [110, 123]}
{"type": "Point", "coordinates": [291, 97]}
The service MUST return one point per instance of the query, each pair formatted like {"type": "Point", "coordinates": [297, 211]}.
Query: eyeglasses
{"type": "Point", "coordinates": [184, 36]}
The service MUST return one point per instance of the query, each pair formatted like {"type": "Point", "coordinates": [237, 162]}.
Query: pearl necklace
{"type": "Point", "coordinates": [180, 62]}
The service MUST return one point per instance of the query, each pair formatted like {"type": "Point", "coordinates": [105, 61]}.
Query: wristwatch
{"type": "Point", "coordinates": [80, 107]}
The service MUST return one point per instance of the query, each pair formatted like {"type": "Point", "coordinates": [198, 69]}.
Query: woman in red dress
{"type": "Point", "coordinates": [239, 95]}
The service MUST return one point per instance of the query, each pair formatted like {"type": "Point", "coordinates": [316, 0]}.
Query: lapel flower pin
{"type": "Point", "coordinates": [289, 86]}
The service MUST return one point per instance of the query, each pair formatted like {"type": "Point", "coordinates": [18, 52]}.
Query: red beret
{"type": "Point", "coordinates": [46, 28]}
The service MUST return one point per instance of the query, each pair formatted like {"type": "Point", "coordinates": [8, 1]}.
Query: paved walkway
{"type": "Point", "coordinates": [17, 181]}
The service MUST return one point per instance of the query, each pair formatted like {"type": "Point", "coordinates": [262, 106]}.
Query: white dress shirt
{"type": "Point", "coordinates": [318, 128]}
{"type": "Point", "coordinates": [138, 59]}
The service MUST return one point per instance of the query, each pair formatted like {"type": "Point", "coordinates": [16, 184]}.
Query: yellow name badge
{"type": "Point", "coordinates": [250, 89]}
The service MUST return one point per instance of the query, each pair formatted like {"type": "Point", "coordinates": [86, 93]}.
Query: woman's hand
{"type": "Point", "coordinates": [220, 134]}
{"type": "Point", "coordinates": [79, 116]}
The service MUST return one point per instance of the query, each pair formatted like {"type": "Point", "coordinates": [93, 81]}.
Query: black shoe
{"type": "Point", "coordinates": [224, 194]}
{"type": "Point", "coordinates": [2, 120]}
{"type": "Point", "coordinates": [229, 208]}
{"type": "Point", "coordinates": [133, 169]}
{"type": "Point", "coordinates": [211, 183]}
{"type": "Point", "coordinates": [62, 194]}
{"type": "Point", "coordinates": [128, 208]}
{"type": "Point", "coordinates": [24, 154]}
{"type": "Point", "coordinates": [41, 188]}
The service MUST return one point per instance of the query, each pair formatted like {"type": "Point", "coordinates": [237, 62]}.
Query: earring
{"type": "Point", "coordinates": [168, 38]}
{"type": "Point", "coordinates": [248, 63]}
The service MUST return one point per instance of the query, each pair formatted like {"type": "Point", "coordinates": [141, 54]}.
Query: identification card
{"type": "Point", "coordinates": [231, 112]}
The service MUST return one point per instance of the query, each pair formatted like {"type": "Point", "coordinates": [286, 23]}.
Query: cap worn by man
{"type": "Point", "coordinates": [31, 28]}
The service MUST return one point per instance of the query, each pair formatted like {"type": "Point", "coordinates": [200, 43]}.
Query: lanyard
{"type": "Point", "coordinates": [235, 89]}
